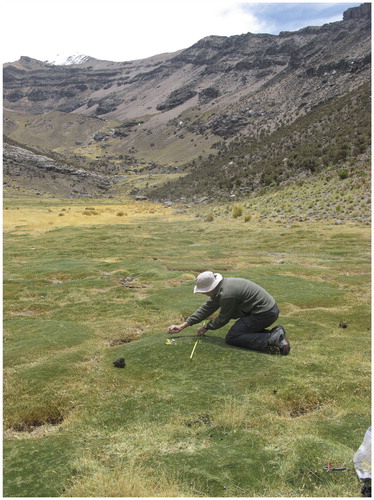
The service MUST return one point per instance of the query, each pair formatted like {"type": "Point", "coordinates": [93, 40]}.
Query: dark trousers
{"type": "Point", "coordinates": [249, 331]}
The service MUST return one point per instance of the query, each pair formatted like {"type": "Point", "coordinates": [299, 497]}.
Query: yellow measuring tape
{"type": "Point", "coordinates": [197, 341]}
{"type": "Point", "coordinates": [193, 350]}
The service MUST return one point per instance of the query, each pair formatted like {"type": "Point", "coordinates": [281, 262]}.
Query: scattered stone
{"type": "Point", "coordinates": [202, 200]}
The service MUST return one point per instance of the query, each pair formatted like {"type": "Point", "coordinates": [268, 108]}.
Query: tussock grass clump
{"type": "Point", "coordinates": [233, 414]}
{"type": "Point", "coordinates": [90, 212]}
{"type": "Point", "coordinates": [129, 480]}
{"type": "Point", "coordinates": [237, 211]}
{"type": "Point", "coordinates": [188, 276]}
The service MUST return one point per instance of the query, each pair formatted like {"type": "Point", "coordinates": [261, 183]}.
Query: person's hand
{"type": "Point", "coordinates": [176, 328]}
{"type": "Point", "coordinates": [201, 331]}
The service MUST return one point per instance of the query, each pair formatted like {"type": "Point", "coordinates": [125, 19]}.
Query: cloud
{"type": "Point", "coordinates": [123, 30]}
{"type": "Point", "coordinates": [116, 29]}
{"type": "Point", "coordinates": [276, 17]}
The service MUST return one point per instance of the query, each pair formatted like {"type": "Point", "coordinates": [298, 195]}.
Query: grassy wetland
{"type": "Point", "coordinates": [87, 282]}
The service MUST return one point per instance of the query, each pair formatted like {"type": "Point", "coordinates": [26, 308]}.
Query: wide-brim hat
{"type": "Point", "coordinates": [207, 281]}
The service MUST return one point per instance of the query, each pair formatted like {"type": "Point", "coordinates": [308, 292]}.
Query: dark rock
{"type": "Point", "coordinates": [363, 10]}
{"type": "Point", "coordinates": [15, 96]}
{"type": "Point", "coordinates": [208, 94]}
{"type": "Point", "coordinates": [38, 95]}
{"type": "Point", "coordinates": [119, 363]}
{"type": "Point", "coordinates": [176, 98]}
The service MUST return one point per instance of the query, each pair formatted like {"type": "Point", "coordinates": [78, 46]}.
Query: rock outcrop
{"type": "Point", "coordinates": [24, 169]}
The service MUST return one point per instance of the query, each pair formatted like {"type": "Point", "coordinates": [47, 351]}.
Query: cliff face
{"type": "Point", "coordinates": [363, 11]}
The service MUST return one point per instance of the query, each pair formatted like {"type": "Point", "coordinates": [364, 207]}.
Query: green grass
{"type": "Point", "coordinates": [230, 423]}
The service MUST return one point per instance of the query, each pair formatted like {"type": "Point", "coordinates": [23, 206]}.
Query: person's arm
{"type": "Point", "coordinates": [226, 313]}
{"type": "Point", "coordinates": [204, 311]}
{"type": "Point", "coordinates": [199, 315]}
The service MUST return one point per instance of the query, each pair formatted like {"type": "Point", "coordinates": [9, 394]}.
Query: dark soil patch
{"type": "Point", "coordinates": [116, 342]}
{"type": "Point", "coordinates": [202, 420]}
{"type": "Point", "coordinates": [30, 425]}
{"type": "Point", "coordinates": [302, 410]}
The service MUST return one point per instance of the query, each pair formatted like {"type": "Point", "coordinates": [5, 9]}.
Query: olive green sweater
{"type": "Point", "coordinates": [237, 297]}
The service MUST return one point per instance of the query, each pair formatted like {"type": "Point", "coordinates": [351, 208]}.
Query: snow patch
{"type": "Point", "coordinates": [66, 60]}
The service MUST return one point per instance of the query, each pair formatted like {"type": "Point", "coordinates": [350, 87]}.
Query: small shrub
{"type": "Point", "coordinates": [343, 173]}
{"type": "Point", "coordinates": [209, 218]}
{"type": "Point", "coordinates": [237, 211]}
{"type": "Point", "coordinates": [247, 218]}
{"type": "Point", "coordinates": [120, 214]}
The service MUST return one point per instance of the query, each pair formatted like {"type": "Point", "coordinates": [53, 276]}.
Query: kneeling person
{"type": "Point", "coordinates": [243, 299]}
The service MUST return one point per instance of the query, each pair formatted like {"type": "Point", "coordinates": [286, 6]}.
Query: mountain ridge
{"type": "Point", "coordinates": [179, 109]}
{"type": "Point", "coordinates": [254, 57]}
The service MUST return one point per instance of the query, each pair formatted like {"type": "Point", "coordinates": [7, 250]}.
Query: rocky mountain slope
{"type": "Point", "coordinates": [175, 110]}
{"type": "Point", "coordinates": [44, 174]}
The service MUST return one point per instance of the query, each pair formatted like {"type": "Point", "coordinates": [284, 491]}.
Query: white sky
{"type": "Point", "coordinates": [124, 30]}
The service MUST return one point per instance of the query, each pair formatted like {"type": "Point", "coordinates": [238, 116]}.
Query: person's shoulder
{"type": "Point", "coordinates": [235, 281]}
{"type": "Point", "coordinates": [237, 284]}
{"type": "Point", "coordinates": [231, 285]}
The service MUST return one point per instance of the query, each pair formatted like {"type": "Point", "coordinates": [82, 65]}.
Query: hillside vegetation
{"type": "Point", "coordinates": [325, 155]}
{"type": "Point", "coordinates": [335, 135]}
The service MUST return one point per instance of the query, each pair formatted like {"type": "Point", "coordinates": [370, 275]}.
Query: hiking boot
{"type": "Point", "coordinates": [276, 335]}
{"type": "Point", "coordinates": [283, 350]}
{"type": "Point", "coordinates": [278, 344]}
